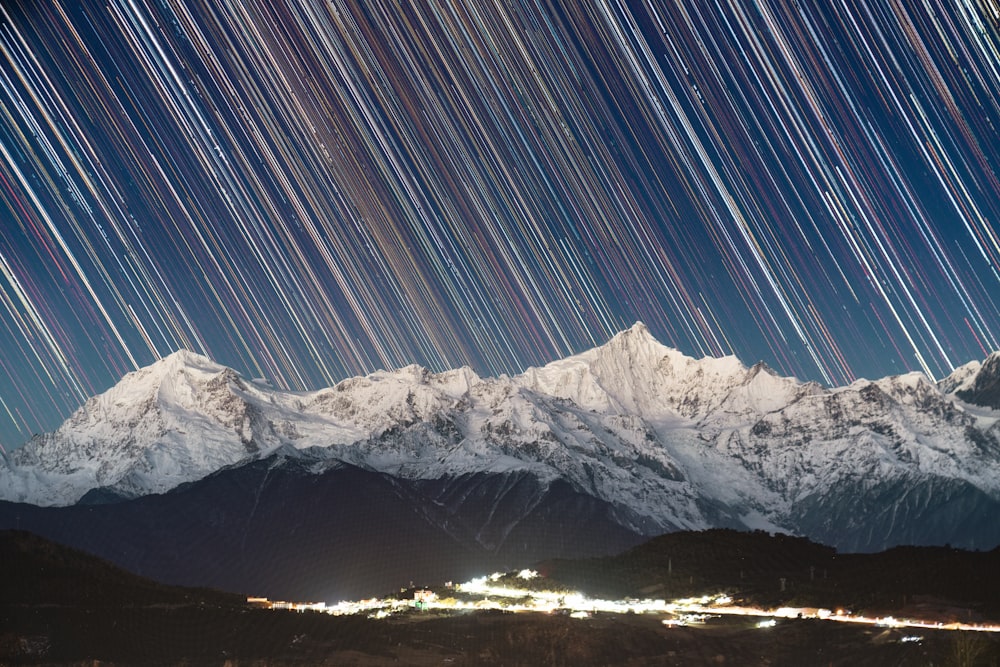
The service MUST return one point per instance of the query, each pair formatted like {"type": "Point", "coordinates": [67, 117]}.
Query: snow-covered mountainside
{"type": "Point", "coordinates": [671, 442]}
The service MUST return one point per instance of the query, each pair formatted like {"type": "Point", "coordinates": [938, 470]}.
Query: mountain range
{"type": "Point", "coordinates": [585, 455]}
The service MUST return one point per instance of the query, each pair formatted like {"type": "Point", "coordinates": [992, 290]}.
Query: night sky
{"type": "Point", "coordinates": [307, 191]}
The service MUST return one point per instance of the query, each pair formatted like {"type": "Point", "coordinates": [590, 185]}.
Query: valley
{"type": "Point", "coordinates": [516, 618]}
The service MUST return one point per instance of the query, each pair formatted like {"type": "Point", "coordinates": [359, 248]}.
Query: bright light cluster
{"type": "Point", "coordinates": [495, 592]}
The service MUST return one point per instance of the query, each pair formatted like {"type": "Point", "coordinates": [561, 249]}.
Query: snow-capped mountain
{"type": "Point", "coordinates": [977, 383]}
{"type": "Point", "coordinates": [669, 442]}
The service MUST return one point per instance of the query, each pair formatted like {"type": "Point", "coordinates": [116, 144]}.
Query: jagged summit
{"type": "Point", "coordinates": [178, 361]}
{"type": "Point", "coordinates": [637, 344]}
{"type": "Point", "coordinates": [981, 384]}
{"type": "Point", "coordinates": [187, 357]}
{"type": "Point", "coordinates": [180, 418]}
{"type": "Point", "coordinates": [175, 376]}
{"type": "Point", "coordinates": [636, 374]}
{"type": "Point", "coordinates": [637, 334]}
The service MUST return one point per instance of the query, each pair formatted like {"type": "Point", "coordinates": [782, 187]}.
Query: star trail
{"type": "Point", "coordinates": [309, 190]}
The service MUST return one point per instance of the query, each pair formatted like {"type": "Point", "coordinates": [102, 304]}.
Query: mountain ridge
{"type": "Point", "coordinates": [671, 442]}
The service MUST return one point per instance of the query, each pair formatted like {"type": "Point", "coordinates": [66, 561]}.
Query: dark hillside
{"type": "Point", "coordinates": [39, 572]}
{"type": "Point", "coordinates": [64, 607]}
{"type": "Point", "coordinates": [773, 570]}
{"type": "Point", "coordinates": [276, 528]}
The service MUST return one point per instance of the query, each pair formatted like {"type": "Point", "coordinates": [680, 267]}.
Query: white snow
{"type": "Point", "coordinates": [632, 422]}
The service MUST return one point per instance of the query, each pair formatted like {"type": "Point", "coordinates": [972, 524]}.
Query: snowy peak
{"type": "Point", "coordinates": [177, 377]}
{"type": "Point", "coordinates": [388, 399]}
{"type": "Point", "coordinates": [606, 378]}
{"type": "Point", "coordinates": [180, 418]}
{"type": "Point", "coordinates": [659, 377]}
{"type": "Point", "coordinates": [759, 391]}
{"type": "Point", "coordinates": [635, 343]}
{"type": "Point", "coordinates": [179, 362]}
{"type": "Point", "coordinates": [182, 381]}
{"type": "Point", "coordinates": [634, 373]}
{"type": "Point", "coordinates": [187, 359]}
{"type": "Point", "coordinates": [977, 383]}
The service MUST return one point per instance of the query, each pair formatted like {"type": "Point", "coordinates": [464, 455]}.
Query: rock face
{"type": "Point", "coordinates": [658, 440]}
{"type": "Point", "coordinates": [981, 384]}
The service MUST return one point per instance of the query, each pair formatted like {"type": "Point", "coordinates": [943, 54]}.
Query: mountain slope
{"type": "Point", "coordinates": [39, 572]}
{"type": "Point", "coordinates": [289, 527]}
{"type": "Point", "coordinates": [665, 441]}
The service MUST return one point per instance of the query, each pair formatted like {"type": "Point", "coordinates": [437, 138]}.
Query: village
{"type": "Point", "coordinates": [514, 593]}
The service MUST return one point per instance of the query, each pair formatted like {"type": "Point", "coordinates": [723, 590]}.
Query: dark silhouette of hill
{"type": "Point", "coordinates": [39, 572]}
{"type": "Point", "coordinates": [784, 570]}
